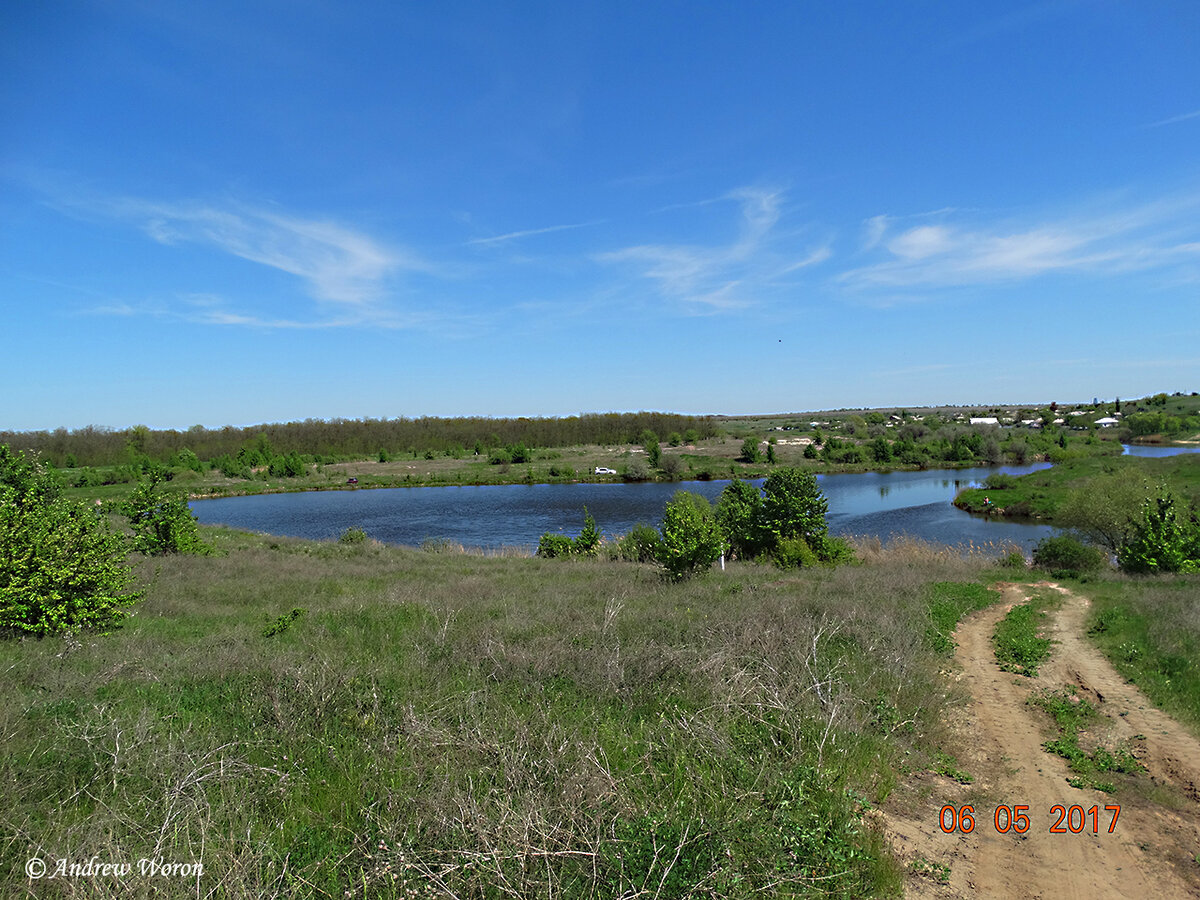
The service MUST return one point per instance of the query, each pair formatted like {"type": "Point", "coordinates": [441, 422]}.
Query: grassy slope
{"type": "Point", "coordinates": [532, 725]}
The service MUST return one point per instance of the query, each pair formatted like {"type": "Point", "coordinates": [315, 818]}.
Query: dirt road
{"type": "Point", "coordinates": [1152, 850]}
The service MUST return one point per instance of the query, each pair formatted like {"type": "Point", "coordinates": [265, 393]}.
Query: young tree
{"type": "Point", "coordinates": [794, 507]}
{"type": "Point", "coordinates": [62, 568]}
{"type": "Point", "coordinates": [161, 522]}
{"type": "Point", "coordinates": [1165, 541]}
{"type": "Point", "coordinates": [738, 511]}
{"type": "Point", "coordinates": [750, 451]}
{"type": "Point", "coordinates": [691, 538]}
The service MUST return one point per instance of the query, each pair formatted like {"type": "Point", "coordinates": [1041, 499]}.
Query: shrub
{"type": "Point", "coordinates": [1164, 541]}
{"type": "Point", "coordinates": [691, 538]}
{"type": "Point", "coordinates": [555, 546]}
{"type": "Point", "coordinates": [161, 522]}
{"type": "Point", "coordinates": [62, 568]}
{"type": "Point", "coordinates": [794, 553]}
{"type": "Point", "coordinates": [1065, 554]}
{"type": "Point", "coordinates": [641, 544]}
{"type": "Point", "coordinates": [588, 542]}
{"type": "Point", "coordinates": [750, 452]}
{"type": "Point", "coordinates": [353, 535]}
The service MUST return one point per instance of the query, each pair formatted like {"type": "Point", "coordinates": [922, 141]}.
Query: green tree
{"type": "Point", "coordinates": [794, 507]}
{"type": "Point", "coordinates": [739, 510]}
{"type": "Point", "coordinates": [750, 452]}
{"type": "Point", "coordinates": [161, 522]}
{"type": "Point", "coordinates": [1106, 509]}
{"type": "Point", "coordinates": [62, 567]}
{"type": "Point", "coordinates": [1165, 541]}
{"type": "Point", "coordinates": [691, 538]}
{"type": "Point", "coordinates": [653, 452]}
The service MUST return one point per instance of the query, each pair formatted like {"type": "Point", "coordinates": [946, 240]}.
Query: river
{"type": "Point", "coordinates": [880, 504]}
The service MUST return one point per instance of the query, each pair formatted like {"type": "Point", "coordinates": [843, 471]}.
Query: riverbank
{"type": "Point", "coordinates": [1038, 495]}
{"type": "Point", "coordinates": [714, 459]}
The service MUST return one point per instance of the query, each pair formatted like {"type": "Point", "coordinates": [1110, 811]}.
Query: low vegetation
{"type": "Point", "coordinates": [1018, 639]}
{"type": "Point", "coordinates": [314, 719]}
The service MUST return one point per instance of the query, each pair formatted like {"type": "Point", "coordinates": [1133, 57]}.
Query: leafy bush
{"type": "Point", "coordinates": [641, 544]}
{"type": "Point", "coordinates": [1164, 541]}
{"type": "Point", "coordinates": [794, 553]}
{"type": "Point", "coordinates": [555, 546]}
{"type": "Point", "coordinates": [62, 568]}
{"type": "Point", "coordinates": [161, 522]}
{"type": "Point", "coordinates": [1065, 554]}
{"type": "Point", "coordinates": [691, 538]}
{"type": "Point", "coordinates": [588, 542]}
{"type": "Point", "coordinates": [353, 535]}
{"type": "Point", "coordinates": [750, 452]}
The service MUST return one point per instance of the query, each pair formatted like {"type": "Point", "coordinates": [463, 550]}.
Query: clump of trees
{"type": "Point", "coordinates": [1139, 523]}
{"type": "Point", "coordinates": [62, 566]}
{"type": "Point", "coordinates": [784, 522]}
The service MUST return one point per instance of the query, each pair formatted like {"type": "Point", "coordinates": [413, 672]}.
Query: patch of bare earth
{"type": "Point", "coordinates": [1153, 847]}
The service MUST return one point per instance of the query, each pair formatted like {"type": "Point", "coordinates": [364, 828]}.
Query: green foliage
{"type": "Point", "coordinates": [161, 521]}
{"type": "Point", "coordinates": [552, 546]}
{"type": "Point", "coordinates": [794, 507]}
{"type": "Point", "coordinates": [353, 535]}
{"type": "Point", "coordinates": [794, 553]}
{"type": "Point", "coordinates": [653, 451]}
{"type": "Point", "coordinates": [739, 509]}
{"type": "Point", "coordinates": [62, 568]}
{"type": "Point", "coordinates": [1164, 540]}
{"type": "Point", "coordinates": [750, 452]}
{"type": "Point", "coordinates": [1063, 555]}
{"type": "Point", "coordinates": [588, 542]}
{"type": "Point", "coordinates": [555, 546]}
{"type": "Point", "coordinates": [1105, 509]}
{"type": "Point", "coordinates": [881, 450]}
{"type": "Point", "coordinates": [1071, 715]}
{"type": "Point", "coordinates": [691, 538]}
{"type": "Point", "coordinates": [641, 544]}
{"type": "Point", "coordinates": [1018, 646]}
{"type": "Point", "coordinates": [283, 623]}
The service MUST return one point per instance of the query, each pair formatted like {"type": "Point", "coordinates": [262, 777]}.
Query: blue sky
{"type": "Point", "coordinates": [229, 213]}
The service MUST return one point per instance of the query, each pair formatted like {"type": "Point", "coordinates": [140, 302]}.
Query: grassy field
{"type": "Point", "coordinates": [320, 720]}
{"type": "Point", "coordinates": [1039, 494]}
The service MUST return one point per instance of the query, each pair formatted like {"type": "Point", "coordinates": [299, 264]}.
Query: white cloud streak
{"type": "Point", "coordinates": [721, 277]}
{"type": "Point", "coordinates": [1195, 114]}
{"type": "Point", "coordinates": [1153, 235]}
{"type": "Point", "coordinates": [339, 265]}
{"type": "Point", "coordinates": [516, 235]}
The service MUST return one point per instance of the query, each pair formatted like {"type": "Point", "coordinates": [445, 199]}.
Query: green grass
{"type": "Point", "coordinates": [1018, 645]}
{"type": "Point", "coordinates": [948, 603]}
{"type": "Point", "coordinates": [581, 728]}
{"type": "Point", "coordinates": [1149, 628]}
{"type": "Point", "coordinates": [1039, 494]}
{"type": "Point", "coordinates": [1093, 768]}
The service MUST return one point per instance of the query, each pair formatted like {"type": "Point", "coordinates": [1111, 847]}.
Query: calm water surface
{"type": "Point", "coordinates": [1147, 450]}
{"type": "Point", "coordinates": [871, 503]}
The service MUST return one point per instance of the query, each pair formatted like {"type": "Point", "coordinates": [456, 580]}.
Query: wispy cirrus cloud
{"type": "Point", "coordinates": [1154, 235]}
{"type": "Point", "coordinates": [349, 273]}
{"type": "Point", "coordinates": [532, 232]}
{"type": "Point", "coordinates": [723, 276]}
{"type": "Point", "coordinates": [1195, 114]}
{"type": "Point", "coordinates": [339, 264]}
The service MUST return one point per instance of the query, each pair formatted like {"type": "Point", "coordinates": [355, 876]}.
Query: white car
{"type": "Point", "coordinates": [601, 470]}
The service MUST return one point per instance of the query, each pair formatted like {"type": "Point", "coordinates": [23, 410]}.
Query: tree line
{"type": "Point", "coordinates": [339, 439]}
